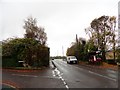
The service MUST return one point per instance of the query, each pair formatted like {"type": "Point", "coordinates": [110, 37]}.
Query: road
{"type": "Point", "coordinates": [39, 79]}
{"type": "Point", "coordinates": [77, 76]}
{"type": "Point", "coordinates": [62, 75]}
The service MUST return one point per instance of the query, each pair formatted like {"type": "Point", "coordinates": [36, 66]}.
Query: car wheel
{"type": "Point", "coordinates": [76, 62]}
{"type": "Point", "coordinates": [67, 62]}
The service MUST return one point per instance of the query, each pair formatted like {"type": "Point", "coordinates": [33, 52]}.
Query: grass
{"type": "Point", "coordinates": [103, 65]}
{"type": "Point", "coordinates": [106, 65]}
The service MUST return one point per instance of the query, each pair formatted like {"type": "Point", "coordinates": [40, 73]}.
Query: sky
{"type": "Point", "coordinates": [62, 19]}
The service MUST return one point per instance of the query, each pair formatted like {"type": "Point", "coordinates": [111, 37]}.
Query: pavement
{"type": "Point", "coordinates": [45, 78]}
{"type": "Point", "coordinates": [103, 66]}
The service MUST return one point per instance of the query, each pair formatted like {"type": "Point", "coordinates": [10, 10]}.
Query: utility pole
{"type": "Point", "coordinates": [57, 52]}
{"type": "Point", "coordinates": [63, 52]}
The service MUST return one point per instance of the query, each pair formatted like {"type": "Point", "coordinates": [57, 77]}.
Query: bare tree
{"type": "Point", "coordinates": [33, 31]}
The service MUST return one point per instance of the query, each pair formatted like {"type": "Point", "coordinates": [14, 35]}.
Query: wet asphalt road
{"type": "Point", "coordinates": [77, 76]}
{"type": "Point", "coordinates": [40, 79]}
{"type": "Point", "coordinates": [63, 76]}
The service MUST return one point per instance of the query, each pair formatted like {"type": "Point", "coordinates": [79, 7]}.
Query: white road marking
{"type": "Point", "coordinates": [67, 86]}
{"type": "Point", "coordinates": [64, 83]}
{"type": "Point", "coordinates": [62, 79]}
{"type": "Point", "coordinates": [53, 73]}
{"type": "Point", "coordinates": [102, 76]}
{"type": "Point", "coordinates": [24, 75]}
{"type": "Point", "coordinates": [9, 85]}
{"type": "Point", "coordinates": [56, 72]}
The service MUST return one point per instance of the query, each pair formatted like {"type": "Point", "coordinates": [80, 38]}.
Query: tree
{"type": "Point", "coordinates": [25, 49]}
{"type": "Point", "coordinates": [71, 51]}
{"type": "Point", "coordinates": [34, 32]}
{"type": "Point", "coordinates": [102, 32]}
{"type": "Point", "coordinates": [113, 41]}
{"type": "Point", "coordinates": [31, 49]}
{"type": "Point", "coordinates": [77, 48]}
{"type": "Point", "coordinates": [90, 46]}
{"type": "Point", "coordinates": [118, 54]}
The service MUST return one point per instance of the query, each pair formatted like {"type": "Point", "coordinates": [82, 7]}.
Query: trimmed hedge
{"type": "Point", "coordinates": [43, 58]}
{"type": "Point", "coordinates": [24, 49]}
{"type": "Point", "coordinates": [9, 62]}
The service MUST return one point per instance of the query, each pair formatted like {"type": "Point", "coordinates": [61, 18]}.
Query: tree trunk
{"type": "Point", "coordinates": [103, 55]}
{"type": "Point", "coordinates": [114, 47]}
{"type": "Point", "coordinates": [103, 52]}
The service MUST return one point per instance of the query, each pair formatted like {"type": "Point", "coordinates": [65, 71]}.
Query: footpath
{"type": "Point", "coordinates": [27, 79]}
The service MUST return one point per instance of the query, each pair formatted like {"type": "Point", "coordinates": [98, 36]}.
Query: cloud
{"type": "Point", "coordinates": [62, 19]}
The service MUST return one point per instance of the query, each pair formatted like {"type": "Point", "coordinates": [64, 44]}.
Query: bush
{"type": "Point", "coordinates": [42, 57]}
{"type": "Point", "coordinates": [25, 49]}
{"type": "Point", "coordinates": [111, 61]}
{"type": "Point", "coordinates": [9, 62]}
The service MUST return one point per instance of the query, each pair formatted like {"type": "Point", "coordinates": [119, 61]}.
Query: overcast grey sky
{"type": "Point", "coordinates": [62, 19]}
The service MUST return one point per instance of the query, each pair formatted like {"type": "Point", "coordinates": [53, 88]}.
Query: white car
{"type": "Point", "coordinates": [71, 59]}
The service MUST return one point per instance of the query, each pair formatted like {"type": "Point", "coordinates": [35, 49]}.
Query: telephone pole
{"type": "Point", "coordinates": [63, 52]}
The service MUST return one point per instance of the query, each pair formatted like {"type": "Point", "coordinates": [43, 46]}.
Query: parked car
{"type": "Point", "coordinates": [71, 59]}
